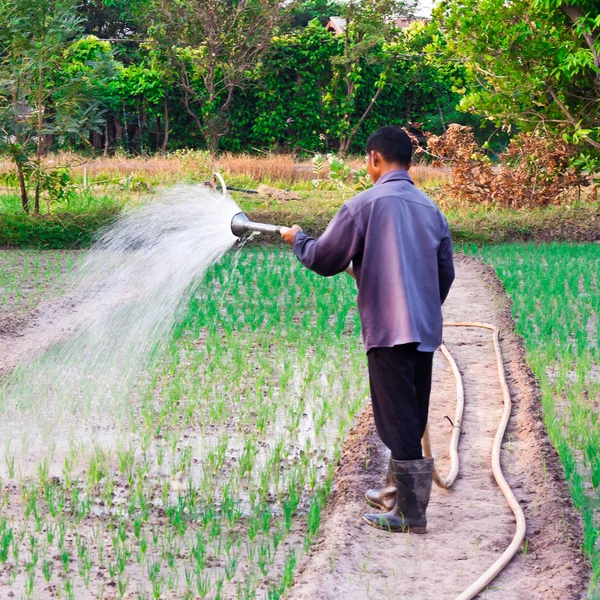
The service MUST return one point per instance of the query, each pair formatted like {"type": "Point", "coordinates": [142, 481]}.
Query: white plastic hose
{"type": "Point", "coordinates": [486, 578]}
{"type": "Point", "coordinates": [458, 415]}
{"type": "Point", "coordinates": [220, 179]}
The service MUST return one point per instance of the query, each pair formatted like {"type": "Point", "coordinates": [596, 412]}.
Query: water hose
{"type": "Point", "coordinates": [456, 428]}
{"type": "Point", "coordinates": [218, 177]}
{"type": "Point", "coordinates": [493, 571]}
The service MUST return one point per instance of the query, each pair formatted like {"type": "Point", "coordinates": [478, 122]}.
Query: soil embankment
{"type": "Point", "coordinates": [471, 524]}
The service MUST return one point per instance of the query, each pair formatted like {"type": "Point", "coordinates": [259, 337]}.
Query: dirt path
{"type": "Point", "coordinates": [470, 525]}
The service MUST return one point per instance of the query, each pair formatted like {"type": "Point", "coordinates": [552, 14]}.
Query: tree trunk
{"type": "Point", "coordinates": [142, 122]}
{"type": "Point", "coordinates": [212, 141]}
{"type": "Point", "coordinates": [96, 140]}
{"type": "Point", "coordinates": [344, 143]}
{"type": "Point", "coordinates": [36, 204]}
{"type": "Point", "coordinates": [22, 187]}
{"type": "Point", "coordinates": [106, 139]}
{"type": "Point", "coordinates": [18, 162]}
{"type": "Point", "coordinates": [40, 125]}
{"type": "Point", "coordinates": [165, 139]}
{"type": "Point", "coordinates": [345, 146]}
{"type": "Point", "coordinates": [118, 129]}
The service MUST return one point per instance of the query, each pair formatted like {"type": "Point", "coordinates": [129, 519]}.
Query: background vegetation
{"type": "Point", "coordinates": [165, 74]}
{"type": "Point", "coordinates": [102, 187]}
{"type": "Point", "coordinates": [115, 79]}
{"type": "Point", "coordinates": [252, 74]}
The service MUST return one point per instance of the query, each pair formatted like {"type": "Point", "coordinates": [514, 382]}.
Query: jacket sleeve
{"type": "Point", "coordinates": [334, 250]}
{"type": "Point", "coordinates": [445, 260]}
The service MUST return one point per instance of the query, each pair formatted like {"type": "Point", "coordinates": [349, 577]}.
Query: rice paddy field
{"type": "Point", "coordinates": [555, 291]}
{"type": "Point", "coordinates": [211, 481]}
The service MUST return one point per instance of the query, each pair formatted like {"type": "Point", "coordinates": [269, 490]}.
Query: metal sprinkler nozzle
{"type": "Point", "coordinates": [241, 224]}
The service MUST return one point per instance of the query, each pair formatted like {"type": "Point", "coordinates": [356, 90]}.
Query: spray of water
{"type": "Point", "coordinates": [132, 286]}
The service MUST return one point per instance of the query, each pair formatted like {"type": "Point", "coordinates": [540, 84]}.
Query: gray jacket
{"type": "Point", "coordinates": [401, 252]}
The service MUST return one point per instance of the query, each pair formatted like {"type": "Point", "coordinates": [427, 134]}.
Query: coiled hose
{"type": "Point", "coordinates": [486, 578]}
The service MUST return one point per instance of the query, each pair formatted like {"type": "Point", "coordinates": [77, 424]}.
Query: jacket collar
{"type": "Point", "coordinates": [396, 175]}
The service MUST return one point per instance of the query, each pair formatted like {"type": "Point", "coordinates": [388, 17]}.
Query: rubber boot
{"type": "Point", "coordinates": [413, 480]}
{"type": "Point", "coordinates": [384, 498]}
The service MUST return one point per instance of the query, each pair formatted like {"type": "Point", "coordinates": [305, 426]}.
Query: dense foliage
{"type": "Point", "coordinates": [534, 64]}
{"type": "Point", "coordinates": [256, 75]}
{"type": "Point", "coordinates": [166, 74]}
{"type": "Point", "coordinates": [44, 95]}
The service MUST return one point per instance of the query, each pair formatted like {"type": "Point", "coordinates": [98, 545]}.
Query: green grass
{"type": "Point", "coordinates": [72, 223]}
{"type": "Point", "coordinates": [576, 222]}
{"type": "Point", "coordinates": [478, 224]}
{"type": "Point", "coordinates": [555, 291]}
{"type": "Point", "coordinates": [213, 484]}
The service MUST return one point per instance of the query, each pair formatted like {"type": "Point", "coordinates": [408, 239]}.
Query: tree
{"type": "Point", "coordinates": [369, 24]}
{"type": "Point", "coordinates": [92, 60]}
{"type": "Point", "coordinates": [287, 100]}
{"type": "Point", "coordinates": [143, 87]}
{"type": "Point", "coordinates": [112, 19]}
{"type": "Point", "coordinates": [214, 46]}
{"type": "Point", "coordinates": [39, 99]}
{"type": "Point", "coordinates": [296, 99]}
{"type": "Point", "coordinates": [534, 64]}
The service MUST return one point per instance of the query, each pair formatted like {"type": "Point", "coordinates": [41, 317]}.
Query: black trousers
{"type": "Point", "coordinates": [400, 379]}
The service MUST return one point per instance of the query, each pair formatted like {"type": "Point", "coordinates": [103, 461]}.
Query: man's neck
{"type": "Point", "coordinates": [389, 167]}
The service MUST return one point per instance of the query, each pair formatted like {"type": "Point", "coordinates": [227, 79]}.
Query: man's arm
{"type": "Point", "coordinates": [445, 260]}
{"type": "Point", "coordinates": [333, 251]}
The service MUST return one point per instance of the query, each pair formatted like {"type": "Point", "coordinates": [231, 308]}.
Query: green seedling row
{"type": "Point", "coordinates": [29, 277]}
{"type": "Point", "coordinates": [556, 305]}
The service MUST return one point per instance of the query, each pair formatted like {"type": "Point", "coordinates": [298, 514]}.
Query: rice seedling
{"type": "Point", "coordinates": [29, 277]}
{"type": "Point", "coordinates": [556, 305]}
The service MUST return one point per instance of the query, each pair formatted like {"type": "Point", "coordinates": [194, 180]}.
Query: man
{"type": "Point", "coordinates": [400, 249]}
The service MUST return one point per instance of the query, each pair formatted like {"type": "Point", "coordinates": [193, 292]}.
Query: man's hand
{"type": "Point", "coordinates": [289, 233]}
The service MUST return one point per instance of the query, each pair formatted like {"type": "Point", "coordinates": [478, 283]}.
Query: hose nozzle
{"type": "Point", "coordinates": [241, 224]}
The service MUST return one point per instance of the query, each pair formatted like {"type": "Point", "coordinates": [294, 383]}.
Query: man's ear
{"type": "Point", "coordinates": [375, 158]}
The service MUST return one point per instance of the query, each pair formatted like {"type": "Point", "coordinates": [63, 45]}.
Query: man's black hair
{"type": "Point", "coordinates": [392, 143]}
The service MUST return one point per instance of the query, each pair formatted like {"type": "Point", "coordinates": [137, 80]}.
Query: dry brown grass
{"type": "Point", "coordinates": [284, 168]}
{"type": "Point", "coordinates": [156, 167]}
{"type": "Point", "coordinates": [430, 177]}
{"type": "Point", "coordinates": [279, 170]}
